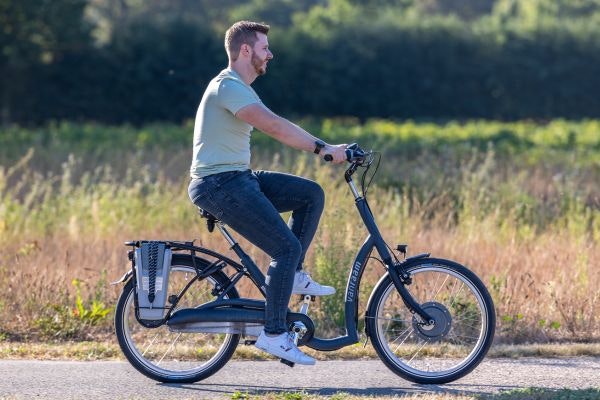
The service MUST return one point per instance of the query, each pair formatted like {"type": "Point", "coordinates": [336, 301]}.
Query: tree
{"type": "Point", "coordinates": [34, 34]}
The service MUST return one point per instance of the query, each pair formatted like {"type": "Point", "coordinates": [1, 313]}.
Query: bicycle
{"type": "Point", "coordinates": [430, 320]}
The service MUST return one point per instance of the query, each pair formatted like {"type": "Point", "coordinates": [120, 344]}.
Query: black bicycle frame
{"type": "Point", "coordinates": [374, 240]}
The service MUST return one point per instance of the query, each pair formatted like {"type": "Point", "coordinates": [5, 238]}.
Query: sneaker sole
{"type": "Point", "coordinates": [312, 293]}
{"type": "Point", "coordinates": [313, 362]}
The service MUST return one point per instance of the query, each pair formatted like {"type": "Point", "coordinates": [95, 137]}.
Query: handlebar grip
{"type": "Point", "coordinates": [352, 152]}
{"type": "Point", "coordinates": [348, 154]}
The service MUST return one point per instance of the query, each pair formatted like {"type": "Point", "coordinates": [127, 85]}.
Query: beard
{"type": "Point", "coordinates": [257, 63]}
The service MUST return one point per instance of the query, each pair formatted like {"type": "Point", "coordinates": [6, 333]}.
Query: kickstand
{"type": "Point", "coordinates": [286, 362]}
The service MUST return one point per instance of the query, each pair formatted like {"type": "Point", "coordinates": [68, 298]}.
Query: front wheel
{"type": "Point", "coordinates": [458, 340]}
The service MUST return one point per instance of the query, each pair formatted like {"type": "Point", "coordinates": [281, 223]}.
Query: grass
{"type": "Point", "coordinates": [546, 394]}
{"type": "Point", "coordinates": [106, 349]}
{"type": "Point", "coordinates": [518, 203]}
{"type": "Point", "coordinates": [520, 394]}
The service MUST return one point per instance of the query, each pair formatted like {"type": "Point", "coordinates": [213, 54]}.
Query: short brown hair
{"type": "Point", "coordinates": [242, 32]}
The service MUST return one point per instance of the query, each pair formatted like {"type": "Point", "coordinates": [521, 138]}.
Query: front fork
{"type": "Point", "coordinates": [401, 279]}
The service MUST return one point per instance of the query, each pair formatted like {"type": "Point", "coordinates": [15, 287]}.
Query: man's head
{"type": "Point", "coordinates": [249, 40]}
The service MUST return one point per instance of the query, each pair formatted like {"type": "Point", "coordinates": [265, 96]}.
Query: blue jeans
{"type": "Point", "coordinates": [250, 203]}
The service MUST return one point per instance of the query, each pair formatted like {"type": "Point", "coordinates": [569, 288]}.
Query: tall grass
{"type": "Point", "coordinates": [528, 224]}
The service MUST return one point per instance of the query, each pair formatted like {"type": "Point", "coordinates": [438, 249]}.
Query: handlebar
{"type": "Point", "coordinates": [354, 154]}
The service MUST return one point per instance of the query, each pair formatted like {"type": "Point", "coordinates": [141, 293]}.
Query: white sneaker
{"type": "Point", "coordinates": [283, 346]}
{"type": "Point", "coordinates": [303, 284]}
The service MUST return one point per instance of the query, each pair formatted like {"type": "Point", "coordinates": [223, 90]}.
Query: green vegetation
{"type": "Point", "coordinates": [516, 202]}
{"type": "Point", "coordinates": [557, 143]}
{"type": "Point", "coordinates": [104, 347]}
{"type": "Point", "coordinates": [137, 62]}
{"type": "Point", "coordinates": [59, 321]}
{"type": "Point", "coordinates": [546, 394]}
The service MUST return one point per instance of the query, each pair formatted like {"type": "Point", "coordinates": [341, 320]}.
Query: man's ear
{"type": "Point", "coordinates": [245, 49]}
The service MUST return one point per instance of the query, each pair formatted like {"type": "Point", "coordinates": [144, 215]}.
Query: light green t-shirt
{"type": "Point", "coordinates": [222, 141]}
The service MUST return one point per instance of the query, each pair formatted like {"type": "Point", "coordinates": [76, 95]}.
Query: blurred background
{"type": "Point", "coordinates": [486, 112]}
{"type": "Point", "coordinates": [116, 61]}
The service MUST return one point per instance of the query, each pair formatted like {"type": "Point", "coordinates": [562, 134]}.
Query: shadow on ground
{"type": "Point", "coordinates": [506, 392]}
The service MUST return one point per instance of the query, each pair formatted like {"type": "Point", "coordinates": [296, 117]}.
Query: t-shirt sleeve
{"type": "Point", "coordinates": [234, 96]}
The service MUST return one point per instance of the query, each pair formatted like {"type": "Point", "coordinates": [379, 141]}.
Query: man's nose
{"type": "Point", "coordinates": [269, 55]}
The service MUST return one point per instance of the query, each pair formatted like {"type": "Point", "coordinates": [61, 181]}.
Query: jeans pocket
{"type": "Point", "coordinates": [199, 191]}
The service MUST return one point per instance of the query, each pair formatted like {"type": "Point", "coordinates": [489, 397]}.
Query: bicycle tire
{"type": "Point", "coordinates": [204, 353]}
{"type": "Point", "coordinates": [451, 348]}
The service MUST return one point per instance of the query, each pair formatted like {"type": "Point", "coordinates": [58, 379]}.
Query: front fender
{"type": "Point", "coordinates": [383, 281]}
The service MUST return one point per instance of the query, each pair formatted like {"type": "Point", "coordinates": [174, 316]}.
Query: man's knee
{"type": "Point", "coordinates": [295, 248]}
{"type": "Point", "coordinates": [291, 249]}
{"type": "Point", "coordinates": [318, 195]}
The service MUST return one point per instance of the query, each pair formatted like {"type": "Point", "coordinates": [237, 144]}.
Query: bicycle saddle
{"type": "Point", "coordinates": [210, 219]}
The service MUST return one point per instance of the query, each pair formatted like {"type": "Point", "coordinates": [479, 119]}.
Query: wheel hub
{"type": "Point", "coordinates": [442, 322]}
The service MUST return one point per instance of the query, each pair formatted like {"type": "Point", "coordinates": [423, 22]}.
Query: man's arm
{"type": "Point", "coordinates": [286, 132]}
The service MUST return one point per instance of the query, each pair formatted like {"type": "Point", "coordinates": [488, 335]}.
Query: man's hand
{"type": "Point", "coordinates": [337, 151]}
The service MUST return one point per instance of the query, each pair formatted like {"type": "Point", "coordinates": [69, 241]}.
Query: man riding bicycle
{"type": "Point", "coordinates": [250, 201]}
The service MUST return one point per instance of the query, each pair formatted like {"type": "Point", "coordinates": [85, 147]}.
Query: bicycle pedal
{"type": "Point", "coordinates": [286, 362]}
{"type": "Point", "coordinates": [249, 342]}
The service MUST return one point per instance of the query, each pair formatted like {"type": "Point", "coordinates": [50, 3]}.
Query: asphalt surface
{"type": "Point", "coordinates": [118, 380]}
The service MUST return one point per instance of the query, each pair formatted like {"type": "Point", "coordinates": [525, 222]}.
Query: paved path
{"type": "Point", "coordinates": [118, 380]}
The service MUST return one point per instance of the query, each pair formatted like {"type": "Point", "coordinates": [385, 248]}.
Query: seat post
{"type": "Point", "coordinates": [226, 234]}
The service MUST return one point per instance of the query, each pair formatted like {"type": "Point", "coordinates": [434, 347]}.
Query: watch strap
{"type": "Point", "coordinates": [319, 144]}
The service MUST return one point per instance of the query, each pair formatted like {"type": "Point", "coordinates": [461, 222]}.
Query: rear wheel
{"type": "Point", "coordinates": [168, 356]}
{"type": "Point", "coordinates": [458, 340]}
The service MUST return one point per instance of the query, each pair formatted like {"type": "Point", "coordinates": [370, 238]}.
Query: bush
{"type": "Point", "coordinates": [155, 67]}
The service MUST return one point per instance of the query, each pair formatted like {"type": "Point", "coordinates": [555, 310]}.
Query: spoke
{"type": "Point", "coordinates": [151, 343]}
{"type": "Point", "coordinates": [396, 330]}
{"type": "Point", "coordinates": [417, 352]}
{"type": "Point", "coordinates": [169, 349]}
{"type": "Point", "coordinates": [435, 285]}
{"type": "Point", "coordinates": [466, 326]}
{"type": "Point", "coordinates": [389, 322]}
{"type": "Point", "coordinates": [400, 335]}
{"type": "Point", "coordinates": [409, 330]}
{"type": "Point", "coordinates": [453, 298]}
{"type": "Point", "coordinates": [441, 286]}
{"type": "Point", "coordinates": [390, 319]}
{"type": "Point", "coordinates": [451, 295]}
{"type": "Point", "coordinates": [475, 318]}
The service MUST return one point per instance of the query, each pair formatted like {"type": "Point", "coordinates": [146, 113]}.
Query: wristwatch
{"type": "Point", "coordinates": [319, 144]}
